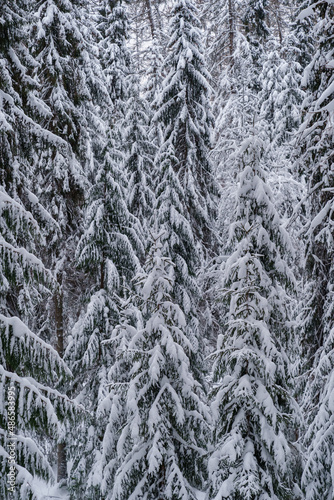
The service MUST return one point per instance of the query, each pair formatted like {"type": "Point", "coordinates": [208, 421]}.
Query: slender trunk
{"type": "Point", "coordinates": [61, 462]}
{"type": "Point", "coordinates": [102, 275]}
{"type": "Point", "coordinates": [59, 317]}
{"type": "Point", "coordinates": [231, 21]}
{"type": "Point", "coordinates": [151, 18]}
{"type": "Point", "coordinates": [278, 18]}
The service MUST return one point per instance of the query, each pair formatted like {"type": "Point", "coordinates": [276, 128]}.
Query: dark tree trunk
{"type": "Point", "coordinates": [59, 317]}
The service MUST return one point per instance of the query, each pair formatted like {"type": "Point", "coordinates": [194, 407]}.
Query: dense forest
{"type": "Point", "coordinates": [167, 249]}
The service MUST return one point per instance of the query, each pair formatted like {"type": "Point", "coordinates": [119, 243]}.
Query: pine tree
{"type": "Point", "coordinates": [161, 448]}
{"type": "Point", "coordinates": [252, 406]}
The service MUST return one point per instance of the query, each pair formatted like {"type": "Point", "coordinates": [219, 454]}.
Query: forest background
{"type": "Point", "coordinates": [166, 240]}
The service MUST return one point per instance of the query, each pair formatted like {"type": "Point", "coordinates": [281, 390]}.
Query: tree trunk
{"type": "Point", "coordinates": [59, 318]}
{"type": "Point", "coordinates": [151, 18]}
{"type": "Point", "coordinates": [231, 21]}
{"type": "Point", "coordinates": [61, 462]}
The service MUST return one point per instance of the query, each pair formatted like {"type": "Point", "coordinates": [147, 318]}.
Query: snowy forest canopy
{"type": "Point", "coordinates": [167, 253]}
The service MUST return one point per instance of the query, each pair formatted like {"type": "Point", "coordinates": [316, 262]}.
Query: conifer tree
{"type": "Point", "coordinates": [30, 408]}
{"type": "Point", "coordinates": [161, 448]}
{"type": "Point", "coordinates": [140, 154]}
{"type": "Point", "coordinates": [302, 30]}
{"type": "Point", "coordinates": [178, 238]}
{"type": "Point", "coordinates": [280, 96]}
{"type": "Point", "coordinates": [315, 144]}
{"type": "Point", "coordinates": [316, 164]}
{"type": "Point", "coordinates": [66, 154]}
{"type": "Point", "coordinates": [115, 55]}
{"type": "Point", "coordinates": [252, 406]}
{"type": "Point", "coordinates": [108, 252]}
{"type": "Point", "coordinates": [187, 191]}
{"type": "Point", "coordinates": [256, 28]}
{"type": "Point", "coordinates": [236, 109]}
{"type": "Point", "coordinates": [280, 99]}
{"type": "Point", "coordinates": [113, 408]}
{"type": "Point", "coordinates": [184, 110]}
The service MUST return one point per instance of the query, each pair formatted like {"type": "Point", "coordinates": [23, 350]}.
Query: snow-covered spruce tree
{"type": "Point", "coordinates": [187, 190]}
{"type": "Point", "coordinates": [30, 407]}
{"type": "Point", "coordinates": [115, 56]}
{"type": "Point", "coordinates": [236, 108]}
{"type": "Point", "coordinates": [178, 237]}
{"type": "Point", "coordinates": [152, 91]}
{"type": "Point", "coordinates": [316, 164]}
{"type": "Point", "coordinates": [256, 29]}
{"type": "Point", "coordinates": [29, 369]}
{"type": "Point", "coordinates": [140, 154]}
{"type": "Point", "coordinates": [302, 29]}
{"type": "Point", "coordinates": [67, 154]}
{"type": "Point", "coordinates": [161, 448]}
{"type": "Point", "coordinates": [113, 409]}
{"type": "Point", "coordinates": [107, 251]}
{"type": "Point", "coordinates": [221, 37]}
{"type": "Point", "coordinates": [126, 119]}
{"type": "Point", "coordinates": [185, 112]}
{"type": "Point", "coordinates": [253, 410]}
{"type": "Point", "coordinates": [65, 157]}
{"type": "Point", "coordinates": [280, 100]}
{"type": "Point", "coordinates": [281, 96]}
{"type": "Point", "coordinates": [15, 88]}
{"type": "Point", "coordinates": [181, 247]}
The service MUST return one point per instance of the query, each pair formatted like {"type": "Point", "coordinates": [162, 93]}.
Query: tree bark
{"type": "Point", "coordinates": [231, 21]}
{"type": "Point", "coordinates": [59, 318]}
